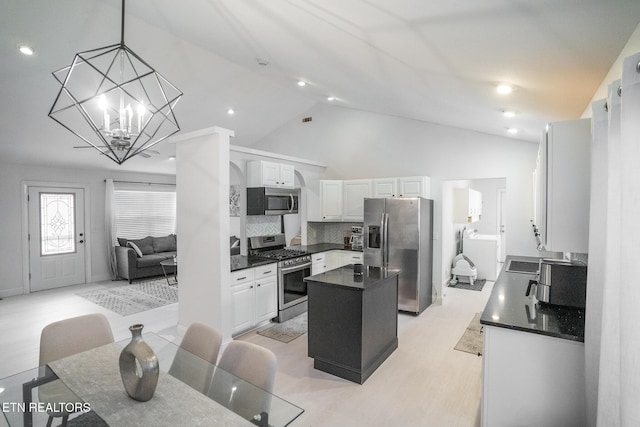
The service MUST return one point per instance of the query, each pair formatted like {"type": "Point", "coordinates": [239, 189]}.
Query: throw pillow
{"type": "Point", "coordinates": [145, 245]}
{"type": "Point", "coordinates": [122, 241]}
{"type": "Point", "coordinates": [135, 248]}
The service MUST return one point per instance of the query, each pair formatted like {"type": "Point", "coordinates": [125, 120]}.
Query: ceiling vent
{"type": "Point", "coordinates": [306, 119]}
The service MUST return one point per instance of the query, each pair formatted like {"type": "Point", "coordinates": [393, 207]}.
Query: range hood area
{"type": "Point", "coordinates": [272, 201]}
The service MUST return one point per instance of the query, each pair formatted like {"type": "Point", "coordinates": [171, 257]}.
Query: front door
{"type": "Point", "coordinates": [56, 237]}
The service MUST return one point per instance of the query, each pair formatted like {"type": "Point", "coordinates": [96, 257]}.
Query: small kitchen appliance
{"type": "Point", "coordinates": [293, 266]}
{"type": "Point", "coordinates": [561, 282]}
{"type": "Point", "coordinates": [356, 240]}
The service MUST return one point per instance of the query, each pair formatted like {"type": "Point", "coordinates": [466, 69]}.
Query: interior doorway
{"type": "Point", "coordinates": [56, 237]}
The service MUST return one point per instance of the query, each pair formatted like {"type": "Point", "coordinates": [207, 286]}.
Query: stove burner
{"type": "Point", "coordinates": [281, 254]}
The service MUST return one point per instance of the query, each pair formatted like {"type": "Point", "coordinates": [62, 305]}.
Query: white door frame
{"type": "Point", "coordinates": [501, 206]}
{"type": "Point", "coordinates": [25, 228]}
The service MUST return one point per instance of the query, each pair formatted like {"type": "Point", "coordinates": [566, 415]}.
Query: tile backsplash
{"type": "Point", "coordinates": [328, 232]}
{"type": "Point", "coordinates": [259, 225]}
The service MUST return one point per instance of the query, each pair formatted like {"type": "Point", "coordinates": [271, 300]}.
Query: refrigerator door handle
{"type": "Point", "coordinates": [385, 240]}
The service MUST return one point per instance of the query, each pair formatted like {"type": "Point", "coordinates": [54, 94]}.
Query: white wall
{"type": "Point", "coordinates": [615, 72]}
{"type": "Point", "coordinates": [11, 205]}
{"type": "Point", "coordinates": [358, 144]}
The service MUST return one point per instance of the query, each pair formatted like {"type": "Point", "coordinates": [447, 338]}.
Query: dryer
{"type": "Point", "coordinates": [484, 250]}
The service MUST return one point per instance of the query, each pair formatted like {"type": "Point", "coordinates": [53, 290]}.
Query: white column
{"type": "Point", "coordinates": [202, 181]}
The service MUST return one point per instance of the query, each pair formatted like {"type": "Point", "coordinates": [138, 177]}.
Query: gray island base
{"type": "Point", "coordinates": [353, 320]}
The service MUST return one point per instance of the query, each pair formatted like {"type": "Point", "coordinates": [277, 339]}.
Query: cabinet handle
{"type": "Point", "coordinates": [241, 278]}
{"type": "Point", "coordinates": [251, 287]}
{"type": "Point", "coordinates": [267, 272]}
{"type": "Point", "coordinates": [259, 285]}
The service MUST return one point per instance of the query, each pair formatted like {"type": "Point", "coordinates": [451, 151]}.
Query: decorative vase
{"type": "Point", "coordinates": [139, 367]}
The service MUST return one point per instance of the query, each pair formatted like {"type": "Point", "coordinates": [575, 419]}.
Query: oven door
{"type": "Point", "coordinates": [292, 289]}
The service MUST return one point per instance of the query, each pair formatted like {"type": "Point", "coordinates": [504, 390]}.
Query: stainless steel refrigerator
{"type": "Point", "coordinates": [398, 234]}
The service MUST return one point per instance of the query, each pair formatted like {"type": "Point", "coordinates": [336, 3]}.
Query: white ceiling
{"type": "Point", "coordinates": [436, 61]}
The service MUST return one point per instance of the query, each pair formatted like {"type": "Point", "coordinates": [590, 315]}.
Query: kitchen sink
{"type": "Point", "coordinates": [523, 267]}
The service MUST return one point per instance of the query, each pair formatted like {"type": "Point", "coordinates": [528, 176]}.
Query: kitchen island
{"type": "Point", "coordinates": [533, 357]}
{"type": "Point", "coordinates": [353, 320]}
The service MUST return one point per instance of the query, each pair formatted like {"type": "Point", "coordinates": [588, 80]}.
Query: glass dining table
{"type": "Point", "coordinates": [190, 391]}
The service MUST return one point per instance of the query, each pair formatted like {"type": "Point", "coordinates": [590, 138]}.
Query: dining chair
{"type": "Point", "coordinates": [203, 342]}
{"type": "Point", "coordinates": [253, 364]}
{"type": "Point", "coordinates": [65, 338]}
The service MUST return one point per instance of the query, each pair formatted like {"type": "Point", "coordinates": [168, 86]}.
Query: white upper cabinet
{"type": "Point", "coordinates": [261, 173]}
{"type": "Point", "coordinates": [414, 186]}
{"type": "Point", "coordinates": [385, 187]}
{"type": "Point", "coordinates": [467, 205]}
{"type": "Point", "coordinates": [343, 200]}
{"type": "Point", "coordinates": [562, 186]}
{"type": "Point", "coordinates": [354, 192]}
{"type": "Point", "coordinates": [410, 186]}
{"type": "Point", "coordinates": [331, 200]}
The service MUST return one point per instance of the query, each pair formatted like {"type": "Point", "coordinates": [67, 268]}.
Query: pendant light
{"type": "Point", "coordinates": [115, 102]}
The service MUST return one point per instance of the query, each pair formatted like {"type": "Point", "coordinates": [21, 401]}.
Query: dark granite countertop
{"type": "Point", "coordinates": [509, 307]}
{"type": "Point", "coordinates": [346, 277]}
{"type": "Point", "coordinates": [241, 262]}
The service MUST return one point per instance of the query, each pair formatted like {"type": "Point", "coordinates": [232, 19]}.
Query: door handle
{"type": "Point", "coordinates": [81, 241]}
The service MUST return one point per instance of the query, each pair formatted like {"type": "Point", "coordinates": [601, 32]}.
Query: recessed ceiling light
{"type": "Point", "coordinates": [231, 111]}
{"type": "Point", "coordinates": [512, 130]}
{"type": "Point", "coordinates": [508, 113]}
{"type": "Point", "coordinates": [26, 50]}
{"type": "Point", "coordinates": [504, 89]}
{"type": "Point", "coordinates": [301, 83]}
{"type": "Point", "coordinates": [172, 157]}
{"type": "Point", "coordinates": [331, 98]}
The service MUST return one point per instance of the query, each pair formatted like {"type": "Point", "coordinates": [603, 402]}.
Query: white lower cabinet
{"type": "Point", "coordinates": [319, 263]}
{"type": "Point", "coordinates": [254, 296]}
{"type": "Point", "coordinates": [266, 293]}
{"type": "Point", "coordinates": [334, 259]}
{"type": "Point", "coordinates": [531, 380]}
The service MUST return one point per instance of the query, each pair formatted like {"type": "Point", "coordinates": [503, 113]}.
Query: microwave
{"type": "Point", "coordinates": [272, 201]}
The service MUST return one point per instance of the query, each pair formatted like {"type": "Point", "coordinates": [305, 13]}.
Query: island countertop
{"type": "Point", "coordinates": [346, 276]}
{"type": "Point", "coordinates": [509, 307]}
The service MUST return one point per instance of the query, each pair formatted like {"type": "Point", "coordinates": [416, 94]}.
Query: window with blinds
{"type": "Point", "coordinates": [141, 213]}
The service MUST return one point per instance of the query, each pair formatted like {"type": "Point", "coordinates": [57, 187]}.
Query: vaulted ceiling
{"type": "Point", "coordinates": [428, 60]}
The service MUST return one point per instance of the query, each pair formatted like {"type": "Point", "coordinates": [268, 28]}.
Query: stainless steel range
{"type": "Point", "coordinates": [293, 267]}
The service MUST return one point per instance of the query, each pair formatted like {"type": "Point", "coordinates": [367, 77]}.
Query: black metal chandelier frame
{"type": "Point", "coordinates": [134, 81]}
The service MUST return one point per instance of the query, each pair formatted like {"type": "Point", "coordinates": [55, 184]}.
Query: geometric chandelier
{"type": "Point", "coordinates": [115, 102]}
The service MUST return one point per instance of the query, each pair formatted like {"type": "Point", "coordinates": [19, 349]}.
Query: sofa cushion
{"type": "Point", "coordinates": [145, 245]}
{"type": "Point", "coordinates": [152, 260]}
{"type": "Point", "coordinates": [164, 244]}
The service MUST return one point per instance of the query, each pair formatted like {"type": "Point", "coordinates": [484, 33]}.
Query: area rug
{"type": "Point", "coordinates": [130, 299]}
{"type": "Point", "coordinates": [477, 285]}
{"type": "Point", "coordinates": [287, 331]}
{"type": "Point", "coordinates": [471, 341]}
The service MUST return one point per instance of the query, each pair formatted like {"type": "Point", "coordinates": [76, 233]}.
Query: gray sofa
{"type": "Point", "coordinates": [141, 258]}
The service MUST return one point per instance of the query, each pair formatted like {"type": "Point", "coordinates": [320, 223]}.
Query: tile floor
{"type": "Point", "coordinates": [425, 382]}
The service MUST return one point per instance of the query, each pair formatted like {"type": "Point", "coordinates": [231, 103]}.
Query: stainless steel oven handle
{"type": "Point", "coordinates": [295, 267]}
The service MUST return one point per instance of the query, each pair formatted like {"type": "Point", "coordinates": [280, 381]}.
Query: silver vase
{"type": "Point", "coordinates": [139, 367]}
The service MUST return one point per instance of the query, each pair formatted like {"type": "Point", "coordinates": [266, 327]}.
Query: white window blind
{"type": "Point", "coordinates": [141, 213]}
